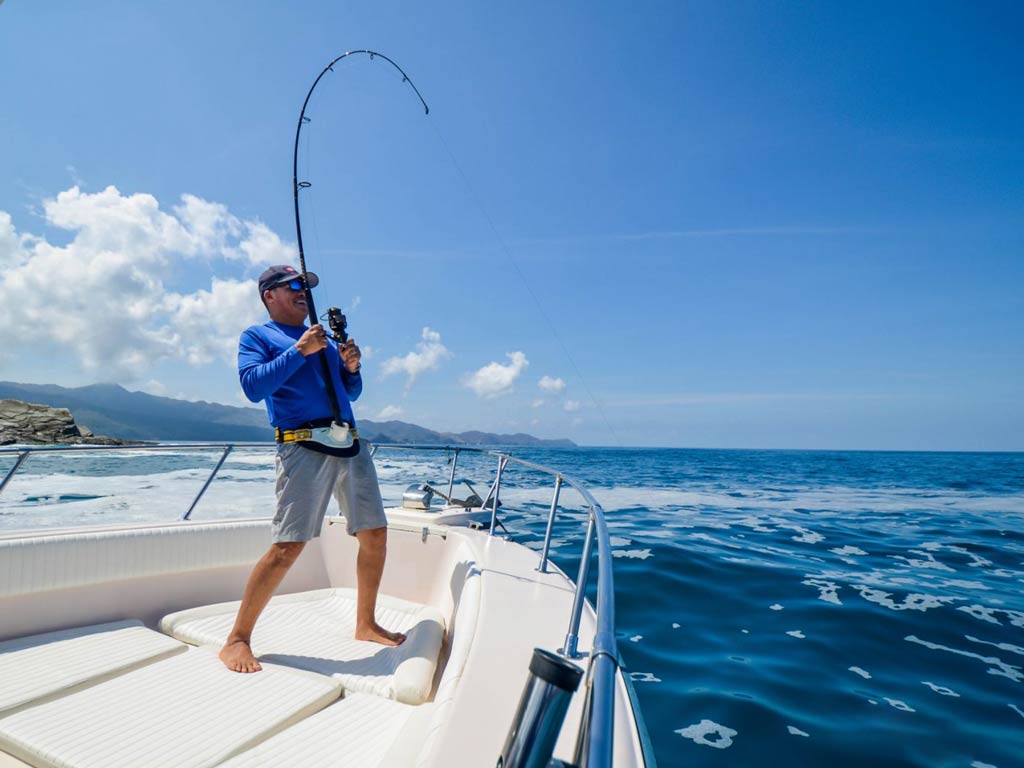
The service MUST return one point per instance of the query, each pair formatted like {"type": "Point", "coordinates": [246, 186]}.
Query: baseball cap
{"type": "Point", "coordinates": [282, 273]}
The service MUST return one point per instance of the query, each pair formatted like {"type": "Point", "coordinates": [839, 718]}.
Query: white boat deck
{"type": "Point", "coordinates": [495, 608]}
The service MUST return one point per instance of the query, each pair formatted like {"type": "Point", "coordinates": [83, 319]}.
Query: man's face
{"type": "Point", "coordinates": [286, 305]}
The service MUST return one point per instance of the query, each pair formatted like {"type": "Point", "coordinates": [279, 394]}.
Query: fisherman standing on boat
{"type": "Point", "coordinates": [276, 363]}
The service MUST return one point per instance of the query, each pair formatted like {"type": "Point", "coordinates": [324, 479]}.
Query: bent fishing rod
{"type": "Point", "coordinates": [336, 319]}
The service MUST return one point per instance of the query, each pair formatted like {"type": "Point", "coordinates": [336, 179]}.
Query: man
{"type": "Point", "coordinates": [278, 362]}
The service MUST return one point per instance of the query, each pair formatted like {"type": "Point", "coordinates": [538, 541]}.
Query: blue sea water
{"type": "Point", "coordinates": [820, 608]}
{"type": "Point", "coordinates": [790, 608]}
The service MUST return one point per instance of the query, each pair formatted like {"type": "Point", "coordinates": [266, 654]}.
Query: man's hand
{"type": "Point", "coordinates": [350, 355]}
{"type": "Point", "coordinates": [312, 341]}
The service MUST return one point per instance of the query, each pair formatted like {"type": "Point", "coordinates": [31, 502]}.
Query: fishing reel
{"type": "Point", "coordinates": [337, 323]}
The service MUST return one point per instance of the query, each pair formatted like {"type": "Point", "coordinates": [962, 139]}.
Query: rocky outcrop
{"type": "Point", "coordinates": [32, 424]}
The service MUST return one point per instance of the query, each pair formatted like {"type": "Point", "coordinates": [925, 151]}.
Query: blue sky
{"type": "Point", "coordinates": [718, 224]}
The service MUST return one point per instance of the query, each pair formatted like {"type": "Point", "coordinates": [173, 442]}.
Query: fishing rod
{"type": "Point", "coordinates": [336, 319]}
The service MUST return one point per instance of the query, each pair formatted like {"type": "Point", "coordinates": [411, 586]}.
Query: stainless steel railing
{"type": "Point", "coordinates": [594, 741]}
{"type": "Point", "coordinates": [24, 452]}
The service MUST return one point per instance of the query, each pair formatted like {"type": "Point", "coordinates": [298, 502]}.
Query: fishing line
{"type": "Point", "coordinates": [508, 255]}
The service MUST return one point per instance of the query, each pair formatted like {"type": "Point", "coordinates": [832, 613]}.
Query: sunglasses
{"type": "Point", "coordinates": [295, 285]}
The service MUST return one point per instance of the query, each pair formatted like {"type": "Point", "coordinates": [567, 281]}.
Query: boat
{"type": "Point", "coordinates": [109, 637]}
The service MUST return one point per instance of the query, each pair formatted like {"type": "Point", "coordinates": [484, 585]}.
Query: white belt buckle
{"type": "Point", "coordinates": [336, 436]}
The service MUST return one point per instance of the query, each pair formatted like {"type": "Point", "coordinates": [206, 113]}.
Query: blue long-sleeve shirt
{"type": "Point", "coordinates": [271, 368]}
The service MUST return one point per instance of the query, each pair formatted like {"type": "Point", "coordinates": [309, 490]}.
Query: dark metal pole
{"type": "Point", "coordinates": [216, 469]}
{"type": "Point", "coordinates": [332, 394]}
{"type": "Point", "coordinates": [18, 463]}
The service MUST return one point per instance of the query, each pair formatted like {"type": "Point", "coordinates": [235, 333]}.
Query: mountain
{"type": "Point", "coordinates": [110, 409]}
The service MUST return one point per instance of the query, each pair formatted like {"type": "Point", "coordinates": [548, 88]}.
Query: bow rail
{"type": "Point", "coordinates": [594, 740]}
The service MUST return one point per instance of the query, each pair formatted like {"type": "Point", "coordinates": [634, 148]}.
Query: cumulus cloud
{"type": "Point", "coordinates": [261, 246]}
{"type": "Point", "coordinates": [389, 412]}
{"type": "Point", "coordinates": [13, 247]}
{"type": "Point", "coordinates": [538, 402]}
{"type": "Point", "coordinates": [554, 386]}
{"type": "Point", "coordinates": [158, 388]}
{"type": "Point", "coordinates": [427, 357]}
{"type": "Point", "coordinates": [208, 223]}
{"type": "Point", "coordinates": [571, 405]}
{"type": "Point", "coordinates": [102, 295]}
{"type": "Point", "coordinates": [197, 318]}
{"type": "Point", "coordinates": [495, 379]}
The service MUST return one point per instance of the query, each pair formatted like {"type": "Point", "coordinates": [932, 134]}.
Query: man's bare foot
{"type": "Point", "coordinates": [375, 633]}
{"type": "Point", "coordinates": [237, 656]}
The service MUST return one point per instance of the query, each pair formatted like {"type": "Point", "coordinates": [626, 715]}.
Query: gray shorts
{"type": "Point", "coordinates": [305, 481]}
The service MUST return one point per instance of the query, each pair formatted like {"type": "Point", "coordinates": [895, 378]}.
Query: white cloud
{"type": "Point", "coordinates": [158, 388]}
{"type": "Point", "coordinates": [571, 405]}
{"type": "Point", "coordinates": [215, 231]}
{"type": "Point", "coordinates": [261, 246]}
{"type": "Point", "coordinates": [120, 229]}
{"type": "Point", "coordinates": [430, 352]}
{"type": "Point", "coordinates": [13, 247]}
{"type": "Point", "coordinates": [197, 319]}
{"type": "Point", "coordinates": [554, 386]}
{"type": "Point", "coordinates": [389, 412]}
{"type": "Point", "coordinates": [103, 297]}
{"type": "Point", "coordinates": [209, 225]}
{"type": "Point", "coordinates": [538, 402]}
{"type": "Point", "coordinates": [495, 379]}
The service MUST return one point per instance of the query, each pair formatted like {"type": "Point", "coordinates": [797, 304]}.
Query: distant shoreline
{"type": "Point", "coordinates": [110, 409]}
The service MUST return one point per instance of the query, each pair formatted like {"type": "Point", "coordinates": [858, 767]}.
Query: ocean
{"type": "Point", "coordinates": [773, 608]}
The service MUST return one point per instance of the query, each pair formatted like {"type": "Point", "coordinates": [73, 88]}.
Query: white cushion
{"type": "Point", "coordinates": [39, 666]}
{"type": "Point", "coordinates": [37, 563]}
{"type": "Point", "coordinates": [314, 630]}
{"type": "Point", "coordinates": [462, 634]}
{"type": "Point", "coordinates": [187, 710]}
{"type": "Point", "coordinates": [360, 731]}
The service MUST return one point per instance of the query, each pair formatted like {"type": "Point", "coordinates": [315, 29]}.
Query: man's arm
{"type": "Point", "coordinates": [353, 384]}
{"type": "Point", "coordinates": [350, 369]}
{"type": "Point", "coordinates": [260, 375]}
